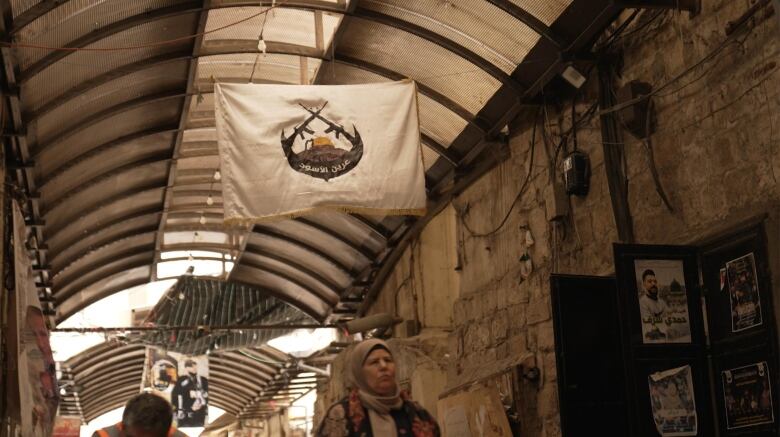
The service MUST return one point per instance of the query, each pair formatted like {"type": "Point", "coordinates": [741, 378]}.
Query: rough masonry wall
{"type": "Point", "coordinates": [716, 151]}
{"type": "Point", "coordinates": [421, 289]}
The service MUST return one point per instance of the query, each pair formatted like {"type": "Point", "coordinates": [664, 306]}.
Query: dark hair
{"type": "Point", "coordinates": [148, 412]}
{"type": "Point", "coordinates": [189, 363]}
{"type": "Point", "coordinates": [647, 273]}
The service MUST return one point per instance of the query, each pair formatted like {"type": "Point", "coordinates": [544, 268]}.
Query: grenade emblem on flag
{"type": "Point", "coordinates": [322, 157]}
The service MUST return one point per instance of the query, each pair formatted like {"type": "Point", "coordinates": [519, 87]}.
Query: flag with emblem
{"type": "Point", "coordinates": [286, 150]}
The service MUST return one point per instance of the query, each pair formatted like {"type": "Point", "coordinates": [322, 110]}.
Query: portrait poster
{"type": "Point", "coordinates": [183, 380]}
{"type": "Point", "coordinates": [672, 401]}
{"type": "Point", "coordinates": [747, 394]}
{"type": "Point", "coordinates": [38, 394]}
{"type": "Point", "coordinates": [743, 293]}
{"type": "Point", "coordinates": [663, 301]}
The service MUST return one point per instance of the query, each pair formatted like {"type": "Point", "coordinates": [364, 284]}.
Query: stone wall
{"type": "Point", "coordinates": [421, 290]}
{"type": "Point", "coordinates": [715, 150]}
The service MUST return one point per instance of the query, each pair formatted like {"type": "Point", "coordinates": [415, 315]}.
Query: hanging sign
{"type": "Point", "coordinates": [183, 380]}
{"type": "Point", "coordinates": [286, 150]}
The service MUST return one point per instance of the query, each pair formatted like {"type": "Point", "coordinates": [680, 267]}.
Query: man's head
{"type": "Point", "coordinates": [147, 415]}
{"type": "Point", "coordinates": [650, 284]}
{"type": "Point", "coordinates": [191, 366]}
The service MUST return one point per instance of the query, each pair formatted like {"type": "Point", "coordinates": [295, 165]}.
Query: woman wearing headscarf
{"type": "Point", "coordinates": [375, 405]}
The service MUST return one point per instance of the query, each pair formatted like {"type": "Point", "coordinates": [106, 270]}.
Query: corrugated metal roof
{"type": "Point", "coordinates": [208, 302]}
{"type": "Point", "coordinates": [118, 132]}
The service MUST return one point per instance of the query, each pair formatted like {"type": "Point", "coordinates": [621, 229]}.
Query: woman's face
{"type": "Point", "coordinates": [379, 372]}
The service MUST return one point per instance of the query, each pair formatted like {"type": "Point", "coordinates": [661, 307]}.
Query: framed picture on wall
{"type": "Point", "coordinates": [747, 391]}
{"type": "Point", "coordinates": [660, 294]}
{"type": "Point", "coordinates": [744, 293]}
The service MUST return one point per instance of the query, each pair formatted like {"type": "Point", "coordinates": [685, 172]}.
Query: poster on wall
{"type": "Point", "coordinates": [38, 395]}
{"type": "Point", "coordinates": [183, 380]}
{"type": "Point", "coordinates": [743, 293]}
{"type": "Point", "coordinates": [663, 301]}
{"type": "Point", "coordinates": [672, 402]}
{"type": "Point", "coordinates": [748, 396]}
{"type": "Point", "coordinates": [476, 412]}
{"type": "Point", "coordinates": [66, 426]}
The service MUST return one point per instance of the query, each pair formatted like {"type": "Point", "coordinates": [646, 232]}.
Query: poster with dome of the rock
{"type": "Point", "coordinates": [663, 301]}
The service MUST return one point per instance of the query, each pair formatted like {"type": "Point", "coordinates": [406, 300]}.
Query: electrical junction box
{"type": "Point", "coordinates": [576, 173]}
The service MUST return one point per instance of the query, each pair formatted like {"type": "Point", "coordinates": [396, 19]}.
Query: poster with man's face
{"type": "Point", "coordinates": [182, 379]}
{"type": "Point", "coordinates": [38, 393]}
{"type": "Point", "coordinates": [663, 301]}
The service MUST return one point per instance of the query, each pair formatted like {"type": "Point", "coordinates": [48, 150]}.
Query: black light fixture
{"type": "Point", "coordinates": [576, 165]}
{"type": "Point", "coordinates": [576, 173]}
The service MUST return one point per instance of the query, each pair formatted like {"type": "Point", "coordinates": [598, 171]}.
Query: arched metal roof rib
{"type": "Point", "coordinates": [107, 31]}
{"type": "Point", "coordinates": [107, 375]}
{"type": "Point", "coordinates": [119, 163]}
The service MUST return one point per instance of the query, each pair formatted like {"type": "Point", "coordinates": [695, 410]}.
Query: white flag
{"type": "Point", "coordinates": [286, 150]}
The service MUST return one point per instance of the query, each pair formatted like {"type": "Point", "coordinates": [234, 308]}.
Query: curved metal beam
{"type": "Point", "coordinates": [331, 300]}
{"type": "Point", "coordinates": [377, 228]}
{"type": "Point", "coordinates": [107, 406]}
{"type": "Point", "coordinates": [531, 21]}
{"type": "Point", "coordinates": [95, 381]}
{"type": "Point", "coordinates": [263, 230]}
{"type": "Point", "coordinates": [227, 393]}
{"type": "Point", "coordinates": [262, 371]}
{"type": "Point", "coordinates": [44, 7]}
{"type": "Point", "coordinates": [108, 113]}
{"type": "Point", "coordinates": [98, 296]}
{"type": "Point", "coordinates": [442, 151]}
{"type": "Point", "coordinates": [107, 174]}
{"type": "Point", "coordinates": [309, 311]}
{"type": "Point", "coordinates": [367, 254]}
{"type": "Point", "coordinates": [102, 242]}
{"type": "Point", "coordinates": [98, 388]}
{"type": "Point", "coordinates": [90, 249]}
{"type": "Point", "coordinates": [423, 89]}
{"type": "Point", "coordinates": [67, 164]}
{"type": "Point", "coordinates": [96, 404]}
{"type": "Point", "coordinates": [255, 250]}
{"type": "Point", "coordinates": [103, 79]}
{"type": "Point", "coordinates": [94, 354]}
{"type": "Point", "coordinates": [372, 68]}
{"type": "Point", "coordinates": [62, 297]}
{"type": "Point", "coordinates": [224, 403]}
{"type": "Point", "coordinates": [107, 31]}
{"type": "Point", "coordinates": [442, 42]}
{"type": "Point", "coordinates": [149, 185]}
{"type": "Point", "coordinates": [105, 225]}
{"type": "Point", "coordinates": [230, 381]}
{"type": "Point", "coordinates": [63, 277]}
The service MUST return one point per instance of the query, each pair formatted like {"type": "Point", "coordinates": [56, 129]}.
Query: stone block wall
{"type": "Point", "coordinates": [716, 152]}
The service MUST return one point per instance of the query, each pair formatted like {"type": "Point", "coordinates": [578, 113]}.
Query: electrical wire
{"type": "Point", "coordinates": [520, 192]}
{"type": "Point", "coordinates": [143, 46]}
{"type": "Point", "coordinates": [657, 89]}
